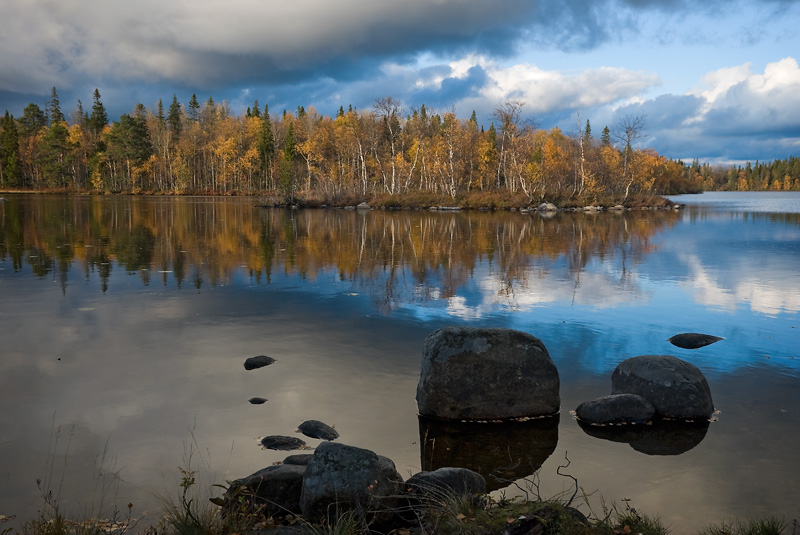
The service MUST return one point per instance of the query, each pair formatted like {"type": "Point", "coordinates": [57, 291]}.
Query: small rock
{"type": "Point", "coordinates": [300, 459]}
{"type": "Point", "coordinates": [279, 442]}
{"type": "Point", "coordinates": [616, 409]}
{"type": "Point", "coordinates": [547, 207]}
{"type": "Point", "coordinates": [258, 362]}
{"type": "Point", "coordinates": [363, 206]}
{"type": "Point", "coordinates": [317, 429]}
{"type": "Point", "coordinates": [693, 340]}
{"type": "Point", "coordinates": [257, 401]}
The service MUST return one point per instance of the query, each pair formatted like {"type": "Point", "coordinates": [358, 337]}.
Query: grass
{"type": "Point", "coordinates": [433, 511]}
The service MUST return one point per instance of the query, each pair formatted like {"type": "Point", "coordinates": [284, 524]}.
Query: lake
{"type": "Point", "coordinates": [125, 322]}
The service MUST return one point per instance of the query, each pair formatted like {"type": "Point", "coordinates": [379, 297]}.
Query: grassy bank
{"type": "Point", "coordinates": [473, 200]}
{"type": "Point", "coordinates": [196, 511]}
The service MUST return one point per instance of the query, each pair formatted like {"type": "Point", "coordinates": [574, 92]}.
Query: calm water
{"type": "Point", "coordinates": [124, 323]}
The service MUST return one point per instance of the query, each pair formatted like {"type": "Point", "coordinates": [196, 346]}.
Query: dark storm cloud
{"type": "Point", "coordinates": [206, 46]}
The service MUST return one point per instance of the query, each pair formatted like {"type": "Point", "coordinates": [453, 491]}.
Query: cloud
{"type": "Point", "coordinates": [733, 115]}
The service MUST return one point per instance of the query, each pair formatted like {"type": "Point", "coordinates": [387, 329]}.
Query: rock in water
{"type": "Point", "coordinates": [486, 374]}
{"type": "Point", "coordinates": [279, 442]}
{"type": "Point", "coordinates": [693, 340]}
{"type": "Point", "coordinates": [676, 388]}
{"type": "Point", "coordinates": [343, 478]}
{"type": "Point", "coordinates": [616, 409]}
{"type": "Point", "coordinates": [258, 362]}
{"type": "Point", "coordinates": [257, 401]}
{"type": "Point", "coordinates": [317, 429]}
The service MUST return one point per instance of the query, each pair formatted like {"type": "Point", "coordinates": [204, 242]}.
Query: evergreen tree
{"type": "Point", "coordinates": [287, 164]}
{"type": "Point", "coordinates": [81, 117]}
{"type": "Point", "coordinates": [605, 137]}
{"type": "Point", "coordinates": [174, 117]}
{"type": "Point", "coordinates": [99, 118]}
{"type": "Point", "coordinates": [32, 121]}
{"type": "Point", "coordinates": [473, 118]}
{"type": "Point", "coordinates": [194, 108]}
{"type": "Point", "coordinates": [160, 113]}
{"type": "Point", "coordinates": [256, 111]}
{"type": "Point", "coordinates": [587, 132]}
{"type": "Point", "coordinates": [266, 144]}
{"type": "Point", "coordinates": [10, 170]}
{"type": "Point", "coordinates": [55, 108]}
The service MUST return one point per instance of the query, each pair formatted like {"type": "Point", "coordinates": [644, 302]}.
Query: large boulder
{"type": "Point", "coordinates": [616, 409]}
{"type": "Point", "coordinates": [343, 478]}
{"type": "Point", "coordinates": [486, 374]}
{"type": "Point", "coordinates": [276, 488]}
{"type": "Point", "coordinates": [676, 388]}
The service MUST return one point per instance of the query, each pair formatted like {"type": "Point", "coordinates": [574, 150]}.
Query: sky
{"type": "Point", "coordinates": [716, 80]}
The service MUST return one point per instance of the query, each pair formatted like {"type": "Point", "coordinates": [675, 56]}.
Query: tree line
{"type": "Point", "coordinates": [358, 154]}
{"type": "Point", "coordinates": [777, 175]}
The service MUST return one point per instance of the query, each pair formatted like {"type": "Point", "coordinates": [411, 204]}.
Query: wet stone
{"type": "Point", "coordinates": [317, 429]}
{"type": "Point", "coordinates": [283, 443]}
{"type": "Point", "coordinates": [258, 362]}
{"type": "Point", "coordinates": [693, 340]}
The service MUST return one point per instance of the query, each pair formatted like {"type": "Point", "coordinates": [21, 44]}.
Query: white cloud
{"type": "Point", "coordinates": [547, 91]}
{"type": "Point", "coordinates": [742, 101]}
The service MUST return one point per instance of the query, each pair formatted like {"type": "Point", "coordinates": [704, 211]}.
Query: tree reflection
{"type": "Point", "coordinates": [396, 257]}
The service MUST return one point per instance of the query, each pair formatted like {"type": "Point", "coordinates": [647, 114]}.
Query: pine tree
{"type": "Point", "coordinates": [256, 111]}
{"type": "Point", "coordinates": [99, 118]}
{"type": "Point", "coordinates": [266, 146]}
{"type": "Point", "coordinates": [194, 108]}
{"type": "Point", "coordinates": [605, 137]}
{"type": "Point", "coordinates": [32, 121]}
{"type": "Point", "coordinates": [174, 117]}
{"type": "Point", "coordinates": [10, 171]}
{"type": "Point", "coordinates": [55, 108]}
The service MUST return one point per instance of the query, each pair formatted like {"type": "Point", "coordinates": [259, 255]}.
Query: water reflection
{"type": "Point", "coordinates": [662, 437]}
{"type": "Point", "coordinates": [399, 257]}
{"type": "Point", "coordinates": [500, 452]}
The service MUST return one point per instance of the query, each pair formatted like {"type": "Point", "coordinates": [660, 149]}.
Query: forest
{"type": "Point", "coordinates": [384, 152]}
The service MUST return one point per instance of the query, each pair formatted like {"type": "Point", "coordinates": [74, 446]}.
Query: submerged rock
{"type": "Point", "coordinates": [676, 388]}
{"type": "Point", "coordinates": [486, 374]}
{"type": "Point", "coordinates": [693, 340]}
{"type": "Point", "coordinates": [257, 401]}
{"type": "Point", "coordinates": [317, 429]}
{"type": "Point", "coordinates": [616, 409]}
{"type": "Point", "coordinates": [279, 442]}
{"type": "Point", "coordinates": [258, 362]}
